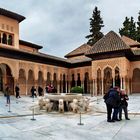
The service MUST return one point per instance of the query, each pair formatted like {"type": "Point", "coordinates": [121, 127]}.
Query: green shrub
{"type": "Point", "coordinates": [77, 89]}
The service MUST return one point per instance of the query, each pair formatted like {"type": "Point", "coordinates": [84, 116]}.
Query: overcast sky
{"type": "Point", "coordinates": [61, 25]}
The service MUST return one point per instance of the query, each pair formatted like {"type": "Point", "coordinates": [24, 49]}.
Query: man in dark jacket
{"type": "Point", "coordinates": [33, 92]}
{"type": "Point", "coordinates": [117, 104]}
{"type": "Point", "coordinates": [17, 91]}
{"type": "Point", "coordinates": [112, 101]}
{"type": "Point", "coordinates": [109, 104]}
{"type": "Point", "coordinates": [40, 91]}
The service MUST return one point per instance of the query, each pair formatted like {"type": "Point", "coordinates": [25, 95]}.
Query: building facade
{"type": "Point", "coordinates": [113, 60]}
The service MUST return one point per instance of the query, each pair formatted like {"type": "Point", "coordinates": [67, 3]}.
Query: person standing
{"type": "Point", "coordinates": [7, 93]}
{"type": "Point", "coordinates": [40, 91]}
{"type": "Point", "coordinates": [117, 101]}
{"type": "Point", "coordinates": [33, 92]}
{"type": "Point", "coordinates": [109, 104]}
{"type": "Point", "coordinates": [123, 105]}
{"type": "Point", "coordinates": [17, 89]}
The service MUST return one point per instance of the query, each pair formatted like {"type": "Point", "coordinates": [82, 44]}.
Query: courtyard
{"type": "Point", "coordinates": [17, 124]}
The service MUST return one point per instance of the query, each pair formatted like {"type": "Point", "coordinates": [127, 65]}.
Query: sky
{"type": "Point", "coordinates": [61, 25]}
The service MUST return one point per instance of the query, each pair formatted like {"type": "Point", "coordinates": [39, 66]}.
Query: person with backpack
{"type": "Point", "coordinates": [109, 105]}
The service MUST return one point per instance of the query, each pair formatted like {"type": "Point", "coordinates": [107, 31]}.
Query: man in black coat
{"type": "Point", "coordinates": [116, 106]}
{"type": "Point", "coordinates": [109, 104]}
{"type": "Point", "coordinates": [40, 90]}
{"type": "Point", "coordinates": [112, 100]}
{"type": "Point", "coordinates": [17, 91]}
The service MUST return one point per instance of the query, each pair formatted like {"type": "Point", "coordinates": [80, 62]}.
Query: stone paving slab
{"type": "Point", "coordinates": [55, 126]}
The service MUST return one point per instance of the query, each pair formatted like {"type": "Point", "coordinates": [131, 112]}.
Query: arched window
{"type": "Point", "coordinates": [117, 77]}
{"type": "Point", "coordinates": [64, 83]}
{"type": "Point", "coordinates": [73, 81]}
{"type": "Point", "coordinates": [10, 40]}
{"type": "Point", "coordinates": [4, 39]}
{"type": "Point", "coordinates": [78, 80]}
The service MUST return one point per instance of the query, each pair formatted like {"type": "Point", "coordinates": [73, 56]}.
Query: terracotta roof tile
{"type": "Point", "coordinates": [78, 51]}
{"type": "Point", "coordinates": [110, 42]}
{"type": "Point", "coordinates": [81, 59]}
{"type": "Point", "coordinates": [129, 41]}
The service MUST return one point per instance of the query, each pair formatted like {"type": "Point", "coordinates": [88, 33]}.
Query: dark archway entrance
{"type": "Point", "coordinates": [78, 80]}
{"type": "Point", "coordinates": [64, 83]}
{"type": "Point", "coordinates": [136, 81]}
{"type": "Point", "coordinates": [6, 77]}
{"type": "Point", "coordinates": [107, 79]}
{"type": "Point", "coordinates": [86, 83]}
{"type": "Point", "coordinates": [73, 81]}
{"type": "Point", "coordinates": [117, 77]}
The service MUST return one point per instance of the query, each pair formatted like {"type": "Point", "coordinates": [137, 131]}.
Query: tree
{"type": "Point", "coordinates": [96, 23]}
{"type": "Point", "coordinates": [129, 28]}
{"type": "Point", "coordinates": [138, 28]}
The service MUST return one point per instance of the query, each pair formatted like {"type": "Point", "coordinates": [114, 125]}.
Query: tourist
{"type": "Point", "coordinates": [112, 100]}
{"type": "Point", "coordinates": [109, 104]}
{"type": "Point", "coordinates": [123, 105]}
{"type": "Point", "coordinates": [33, 92]}
{"type": "Point", "coordinates": [40, 90]}
{"type": "Point", "coordinates": [117, 100]}
{"type": "Point", "coordinates": [17, 89]}
{"type": "Point", "coordinates": [7, 93]}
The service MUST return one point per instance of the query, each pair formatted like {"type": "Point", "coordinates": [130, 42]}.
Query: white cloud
{"type": "Point", "coordinates": [61, 26]}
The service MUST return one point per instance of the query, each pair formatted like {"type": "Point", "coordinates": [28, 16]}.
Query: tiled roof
{"type": "Point", "coordinates": [110, 42]}
{"type": "Point", "coordinates": [129, 41]}
{"type": "Point", "coordinates": [81, 59]}
{"type": "Point", "coordinates": [32, 45]}
{"type": "Point", "coordinates": [78, 51]}
{"type": "Point", "coordinates": [10, 14]}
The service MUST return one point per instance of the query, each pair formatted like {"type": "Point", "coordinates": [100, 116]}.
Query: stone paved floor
{"type": "Point", "coordinates": [55, 126]}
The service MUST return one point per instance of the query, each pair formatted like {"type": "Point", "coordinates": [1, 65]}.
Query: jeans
{"type": "Point", "coordinates": [8, 99]}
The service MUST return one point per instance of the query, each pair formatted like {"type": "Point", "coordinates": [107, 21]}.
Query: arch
{"type": "Point", "coordinates": [86, 83]}
{"type": "Point", "coordinates": [107, 66]}
{"type": "Point", "coordinates": [4, 38]}
{"type": "Point", "coordinates": [40, 78]}
{"type": "Point", "coordinates": [55, 81]}
{"type": "Point", "coordinates": [22, 81]}
{"type": "Point", "coordinates": [73, 81]}
{"type": "Point", "coordinates": [108, 80]}
{"type": "Point", "coordinates": [60, 83]}
{"type": "Point", "coordinates": [6, 77]}
{"type": "Point", "coordinates": [78, 80]}
{"type": "Point", "coordinates": [99, 82]}
{"type": "Point", "coordinates": [64, 83]}
{"type": "Point", "coordinates": [136, 81]}
{"type": "Point", "coordinates": [10, 40]}
{"type": "Point", "coordinates": [48, 82]}
{"type": "Point", "coordinates": [117, 76]}
{"type": "Point", "coordinates": [30, 81]}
